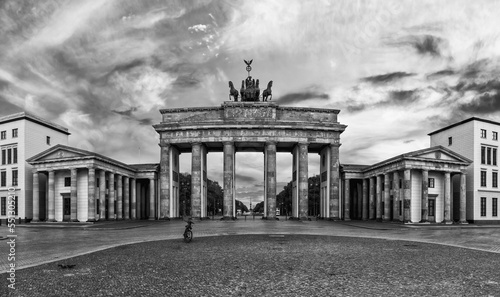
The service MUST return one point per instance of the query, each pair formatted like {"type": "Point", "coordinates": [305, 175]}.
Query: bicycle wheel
{"type": "Point", "coordinates": [188, 235]}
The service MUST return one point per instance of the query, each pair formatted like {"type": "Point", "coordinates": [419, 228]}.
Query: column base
{"type": "Point", "coordinates": [347, 219]}
{"type": "Point", "coordinates": [74, 221]}
{"type": "Point", "coordinates": [463, 222]}
{"type": "Point", "coordinates": [304, 219]}
{"type": "Point", "coordinates": [228, 218]}
{"type": "Point", "coordinates": [447, 222]}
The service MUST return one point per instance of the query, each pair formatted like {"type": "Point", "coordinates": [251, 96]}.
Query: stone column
{"type": "Point", "coordinates": [371, 211]}
{"type": "Point", "coordinates": [36, 197]}
{"type": "Point", "coordinates": [407, 196]}
{"type": "Point", "coordinates": [303, 183]}
{"type": "Point", "coordinates": [151, 198]}
{"type": "Point", "coordinates": [396, 198]}
{"type": "Point", "coordinates": [111, 196]}
{"type": "Point", "coordinates": [463, 189]}
{"type": "Point", "coordinates": [91, 195]}
{"type": "Point", "coordinates": [379, 198]}
{"type": "Point", "coordinates": [347, 199]}
{"type": "Point", "coordinates": [387, 198]}
{"type": "Point", "coordinates": [447, 198]}
{"type": "Point", "coordinates": [52, 197]}
{"type": "Point", "coordinates": [126, 199]}
{"type": "Point", "coordinates": [196, 181]}
{"type": "Point", "coordinates": [364, 215]}
{"type": "Point", "coordinates": [165, 150]}
{"type": "Point", "coordinates": [334, 181]}
{"type": "Point", "coordinates": [359, 211]}
{"type": "Point", "coordinates": [271, 179]}
{"type": "Point", "coordinates": [133, 199]}
{"type": "Point", "coordinates": [73, 195]}
{"type": "Point", "coordinates": [228, 179]}
{"type": "Point", "coordinates": [139, 201]}
{"type": "Point", "coordinates": [102, 195]}
{"type": "Point", "coordinates": [425, 196]}
{"type": "Point", "coordinates": [119, 196]}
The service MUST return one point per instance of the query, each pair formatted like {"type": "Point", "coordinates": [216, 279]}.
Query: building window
{"type": "Point", "coordinates": [9, 156]}
{"type": "Point", "coordinates": [14, 153]}
{"type": "Point", "coordinates": [483, 206]}
{"type": "Point", "coordinates": [483, 155]}
{"type": "Point", "coordinates": [14, 133]}
{"type": "Point", "coordinates": [450, 140]}
{"type": "Point", "coordinates": [432, 207]}
{"type": "Point", "coordinates": [400, 207]}
{"type": "Point", "coordinates": [488, 155]}
{"type": "Point", "coordinates": [483, 178]}
{"type": "Point", "coordinates": [4, 206]}
{"type": "Point", "coordinates": [495, 156]}
{"type": "Point", "coordinates": [3, 178]}
{"type": "Point", "coordinates": [494, 205]}
{"type": "Point", "coordinates": [3, 157]}
{"type": "Point", "coordinates": [14, 177]}
{"type": "Point", "coordinates": [495, 135]}
{"type": "Point", "coordinates": [494, 181]}
{"type": "Point", "coordinates": [48, 140]}
{"type": "Point", "coordinates": [431, 182]}
{"type": "Point", "coordinates": [15, 205]}
{"type": "Point", "coordinates": [67, 181]}
{"type": "Point", "coordinates": [483, 133]}
{"type": "Point", "coordinates": [3, 135]}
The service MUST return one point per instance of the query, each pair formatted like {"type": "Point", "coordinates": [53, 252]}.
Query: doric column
{"type": "Point", "coordinates": [425, 196]}
{"type": "Point", "coordinates": [36, 197]}
{"type": "Point", "coordinates": [91, 195]}
{"type": "Point", "coordinates": [387, 198]}
{"type": "Point", "coordinates": [139, 201]}
{"type": "Point", "coordinates": [463, 189]}
{"type": "Point", "coordinates": [365, 200]}
{"type": "Point", "coordinates": [196, 181]}
{"type": "Point", "coordinates": [347, 199]}
{"type": "Point", "coordinates": [73, 195]}
{"type": "Point", "coordinates": [407, 196]}
{"type": "Point", "coordinates": [271, 179]}
{"type": "Point", "coordinates": [151, 198]}
{"type": "Point", "coordinates": [102, 195]}
{"type": "Point", "coordinates": [228, 179]}
{"type": "Point", "coordinates": [119, 196]}
{"type": "Point", "coordinates": [447, 198]}
{"type": "Point", "coordinates": [334, 181]}
{"type": "Point", "coordinates": [52, 197]}
{"type": "Point", "coordinates": [165, 150]}
{"type": "Point", "coordinates": [133, 199]}
{"type": "Point", "coordinates": [395, 195]}
{"type": "Point", "coordinates": [379, 197]}
{"type": "Point", "coordinates": [371, 210]}
{"type": "Point", "coordinates": [359, 210]}
{"type": "Point", "coordinates": [111, 196]}
{"type": "Point", "coordinates": [303, 183]}
{"type": "Point", "coordinates": [126, 198]}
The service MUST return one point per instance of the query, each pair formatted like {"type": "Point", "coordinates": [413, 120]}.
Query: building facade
{"type": "Point", "coordinates": [477, 140]}
{"type": "Point", "coordinates": [22, 135]}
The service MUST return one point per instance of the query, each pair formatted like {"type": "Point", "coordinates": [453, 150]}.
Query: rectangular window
{"type": "Point", "coordinates": [48, 140]}
{"type": "Point", "coordinates": [9, 156]}
{"type": "Point", "coordinates": [3, 179]}
{"type": "Point", "coordinates": [483, 178]}
{"type": "Point", "coordinates": [15, 205]}
{"type": "Point", "coordinates": [494, 205]}
{"type": "Point", "coordinates": [14, 177]}
{"type": "Point", "coordinates": [432, 207]}
{"type": "Point", "coordinates": [450, 140]}
{"type": "Point", "coordinates": [488, 155]}
{"type": "Point", "coordinates": [483, 133]}
{"type": "Point", "coordinates": [3, 156]}
{"type": "Point", "coordinates": [4, 206]}
{"type": "Point", "coordinates": [14, 153]}
{"type": "Point", "coordinates": [67, 181]}
{"type": "Point", "coordinates": [495, 156]}
{"type": "Point", "coordinates": [494, 179]}
{"type": "Point", "coordinates": [483, 155]}
{"type": "Point", "coordinates": [400, 207]}
{"type": "Point", "coordinates": [495, 135]}
{"type": "Point", "coordinates": [483, 206]}
{"type": "Point", "coordinates": [3, 135]}
{"type": "Point", "coordinates": [14, 133]}
{"type": "Point", "coordinates": [431, 182]}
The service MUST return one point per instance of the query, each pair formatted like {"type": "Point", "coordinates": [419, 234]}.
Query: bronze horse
{"type": "Point", "coordinates": [233, 92]}
{"type": "Point", "coordinates": [267, 92]}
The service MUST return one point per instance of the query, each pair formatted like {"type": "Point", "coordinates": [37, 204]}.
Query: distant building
{"type": "Point", "coordinates": [476, 139]}
{"type": "Point", "coordinates": [23, 135]}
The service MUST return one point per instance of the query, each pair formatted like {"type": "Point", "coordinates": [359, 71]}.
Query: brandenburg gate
{"type": "Point", "coordinates": [249, 124]}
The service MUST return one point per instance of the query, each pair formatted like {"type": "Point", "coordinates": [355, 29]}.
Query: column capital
{"type": "Point", "coordinates": [336, 143]}
{"type": "Point", "coordinates": [228, 142]}
{"type": "Point", "coordinates": [34, 170]}
{"type": "Point", "coordinates": [303, 143]}
{"type": "Point", "coordinates": [91, 167]}
{"type": "Point", "coordinates": [195, 143]}
{"type": "Point", "coordinates": [271, 142]}
{"type": "Point", "coordinates": [164, 144]}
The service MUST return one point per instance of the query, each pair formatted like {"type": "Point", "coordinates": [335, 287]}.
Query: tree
{"type": "Point", "coordinates": [284, 198]}
{"type": "Point", "coordinates": [259, 207]}
{"type": "Point", "coordinates": [241, 206]}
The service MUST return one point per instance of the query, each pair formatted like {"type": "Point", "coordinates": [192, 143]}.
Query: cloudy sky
{"type": "Point", "coordinates": [397, 70]}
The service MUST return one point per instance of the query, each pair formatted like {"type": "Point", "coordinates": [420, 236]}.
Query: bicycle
{"type": "Point", "coordinates": [188, 233]}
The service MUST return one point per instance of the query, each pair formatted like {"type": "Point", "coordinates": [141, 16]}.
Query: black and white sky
{"type": "Point", "coordinates": [397, 70]}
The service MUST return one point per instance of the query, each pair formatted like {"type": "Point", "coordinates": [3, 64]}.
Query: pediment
{"type": "Point", "coordinates": [59, 152]}
{"type": "Point", "coordinates": [439, 153]}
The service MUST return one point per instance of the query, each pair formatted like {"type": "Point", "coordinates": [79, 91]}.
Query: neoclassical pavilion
{"type": "Point", "coordinates": [422, 186]}
{"type": "Point", "coordinates": [71, 184]}
{"type": "Point", "coordinates": [249, 126]}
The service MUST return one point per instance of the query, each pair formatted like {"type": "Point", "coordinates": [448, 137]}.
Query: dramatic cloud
{"type": "Point", "coordinates": [387, 78]}
{"type": "Point", "coordinates": [299, 97]}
